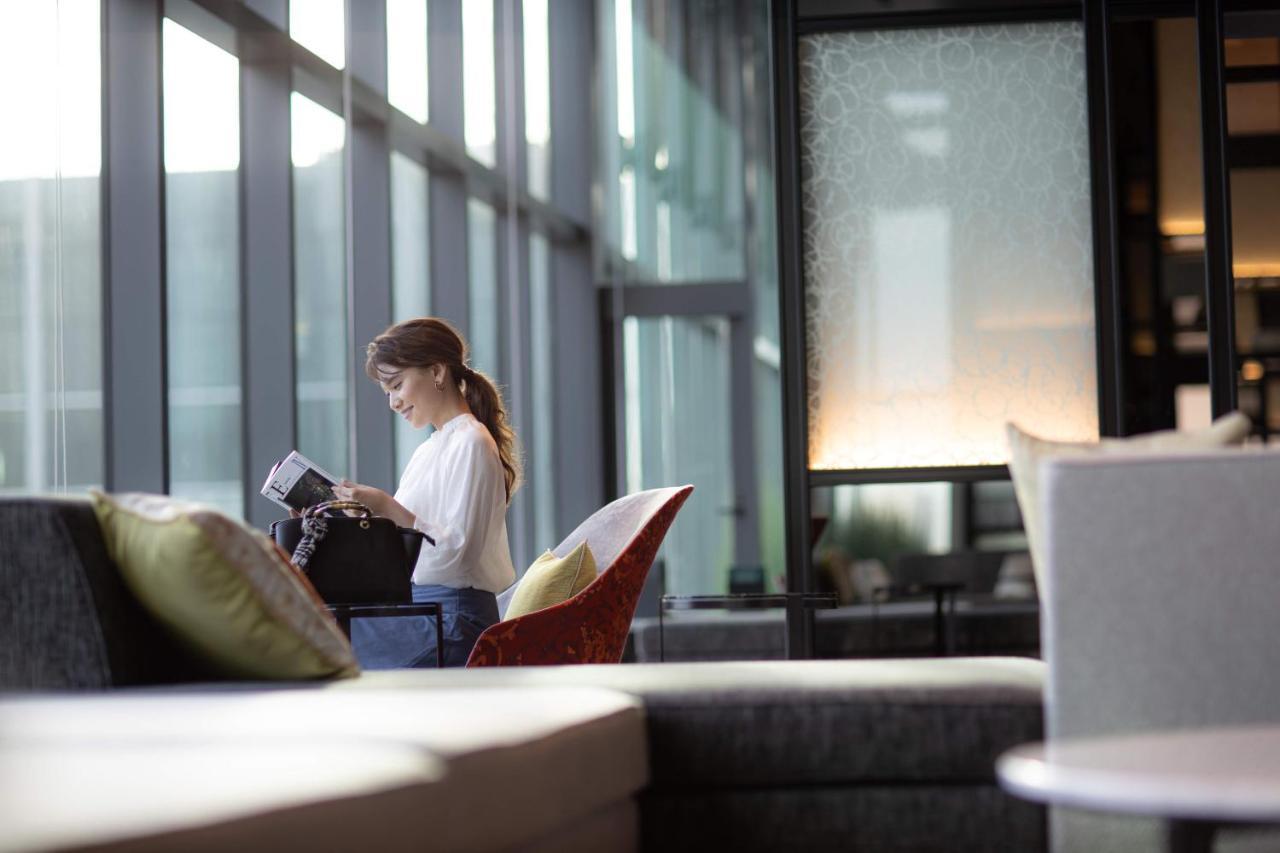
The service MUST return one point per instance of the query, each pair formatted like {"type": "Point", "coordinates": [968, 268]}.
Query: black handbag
{"type": "Point", "coordinates": [361, 559]}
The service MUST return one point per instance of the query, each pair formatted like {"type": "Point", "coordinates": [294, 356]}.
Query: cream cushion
{"type": "Point", "coordinates": [225, 589]}
{"type": "Point", "coordinates": [500, 769]}
{"type": "Point", "coordinates": [1026, 452]}
{"type": "Point", "coordinates": [551, 580]}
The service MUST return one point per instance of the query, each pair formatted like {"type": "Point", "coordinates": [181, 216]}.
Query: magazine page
{"type": "Point", "coordinates": [297, 483]}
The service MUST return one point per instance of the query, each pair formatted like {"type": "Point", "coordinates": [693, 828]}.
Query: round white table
{"type": "Point", "coordinates": [1196, 779]}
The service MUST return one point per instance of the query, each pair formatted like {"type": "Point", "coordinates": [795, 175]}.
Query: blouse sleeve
{"type": "Point", "coordinates": [461, 516]}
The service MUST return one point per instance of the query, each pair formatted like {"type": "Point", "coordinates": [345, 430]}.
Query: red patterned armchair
{"type": "Point", "coordinates": [592, 626]}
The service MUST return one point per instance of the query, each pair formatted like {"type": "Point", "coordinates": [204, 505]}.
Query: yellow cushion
{"type": "Point", "coordinates": [551, 580]}
{"type": "Point", "coordinates": [1027, 451]}
{"type": "Point", "coordinates": [223, 588]}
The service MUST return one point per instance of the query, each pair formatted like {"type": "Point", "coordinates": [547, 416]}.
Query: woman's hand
{"type": "Point", "coordinates": [378, 501]}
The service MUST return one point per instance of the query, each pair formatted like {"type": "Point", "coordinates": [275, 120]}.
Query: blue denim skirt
{"type": "Point", "coordinates": [400, 642]}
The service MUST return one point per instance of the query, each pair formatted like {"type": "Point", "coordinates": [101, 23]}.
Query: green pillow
{"type": "Point", "coordinates": [1026, 451]}
{"type": "Point", "coordinates": [551, 580]}
{"type": "Point", "coordinates": [223, 588]}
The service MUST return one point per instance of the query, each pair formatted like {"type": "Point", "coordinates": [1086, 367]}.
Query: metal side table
{"type": "Point", "coordinates": [944, 611]}
{"type": "Point", "coordinates": [1196, 780]}
{"type": "Point", "coordinates": [344, 613]}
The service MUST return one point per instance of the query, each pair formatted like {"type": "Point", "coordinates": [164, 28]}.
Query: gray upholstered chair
{"type": "Point", "coordinates": [1162, 607]}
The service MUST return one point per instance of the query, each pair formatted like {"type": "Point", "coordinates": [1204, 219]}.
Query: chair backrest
{"type": "Point", "coordinates": [610, 529]}
{"type": "Point", "coordinates": [592, 626]}
{"type": "Point", "coordinates": [1163, 577]}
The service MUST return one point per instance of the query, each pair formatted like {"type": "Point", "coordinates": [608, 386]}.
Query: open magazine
{"type": "Point", "coordinates": [297, 483]}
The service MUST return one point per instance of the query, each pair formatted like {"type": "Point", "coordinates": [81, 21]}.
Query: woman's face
{"type": "Point", "coordinates": [411, 394]}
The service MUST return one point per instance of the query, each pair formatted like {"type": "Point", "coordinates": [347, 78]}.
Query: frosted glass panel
{"type": "Point", "coordinates": [947, 252]}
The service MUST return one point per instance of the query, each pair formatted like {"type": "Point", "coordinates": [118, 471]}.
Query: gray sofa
{"type": "Point", "coordinates": [858, 754]}
{"type": "Point", "coordinates": [979, 625]}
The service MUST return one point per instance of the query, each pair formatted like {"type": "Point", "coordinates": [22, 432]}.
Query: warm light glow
{"type": "Point", "coordinates": [1178, 229]}
{"type": "Point", "coordinates": [1256, 270]}
{"type": "Point", "coordinates": [902, 431]}
{"type": "Point", "coordinates": [1251, 371]}
{"type": "Point", "coordinates": [942, 301]}
{"type": "Point", "coordinates": [1181, 227]}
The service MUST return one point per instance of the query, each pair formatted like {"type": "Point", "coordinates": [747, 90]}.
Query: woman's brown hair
{"type": "Point", "coordinates": [430, 340]}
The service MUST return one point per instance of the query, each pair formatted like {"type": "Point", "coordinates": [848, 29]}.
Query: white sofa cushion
{"type": "Point", "coordinates": [483, 769]}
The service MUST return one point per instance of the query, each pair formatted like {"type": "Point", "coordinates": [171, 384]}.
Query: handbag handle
{"type": "Point", "coordinates": [334, 507]}
{"type": "Point", "coordinates": [315, 525]}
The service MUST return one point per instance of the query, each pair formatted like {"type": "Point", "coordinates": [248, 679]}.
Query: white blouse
{"type": "Point", "coordinates": [455, 487]}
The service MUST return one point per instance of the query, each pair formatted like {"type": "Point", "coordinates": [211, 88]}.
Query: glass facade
{"type": "Point", "coordinates": [410, 269]}
{"type": "Point", "coordinates": [684, 139]}
{"type": "Point", "coordinates": [407, 72]}
{"type": "Point", "coordinates": [677, 375]}
{"type": "Point", "coordinates": [320, 285]}
{"type": "Point", "coordinates": [541, 450]}
{"type": "Point", "coordinates": [51, 378]}
{"type": "Point", "coordinates": [482, 289]}
{"type": "Point", "coordinates": [672, 148]}
{"type": "Point", "coordinates": [320, 27]}
{"type": "Point", "coordinates": [537, 95]}
{"type": "Point", "coordinates": [202, 257]}
{"type": "Point", "coordinates": [226, 278]}
{"type": "Point", "coordinates": [479, 92]}
{"type": "Point", "coordinates": [252, 241]}
{"type": "Point", "coordinates": [947, 249]}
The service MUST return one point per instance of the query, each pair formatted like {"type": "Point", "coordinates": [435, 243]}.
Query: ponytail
{"type": "Point", "coordinates": [425, 341]}
{"type": "Point", "coordinates": [485, 401]}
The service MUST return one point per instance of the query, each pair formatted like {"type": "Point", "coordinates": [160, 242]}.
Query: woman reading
{"type": "Point", "coordinates": [456, 489]}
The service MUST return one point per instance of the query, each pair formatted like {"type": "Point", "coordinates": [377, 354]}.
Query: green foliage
{"type": "Point", "coordinates": [874, 533]}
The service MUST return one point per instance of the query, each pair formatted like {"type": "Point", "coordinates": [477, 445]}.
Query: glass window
{"type": "Point", "coordinates": [947, 251]}
{"type": "Point", "coordinates": [201, 159]}
{"type": "Point", "coordinates": [676, 372]}
{"type": "Point", "coordinates": [623, 57]}
{"type": "Point", "coordinates": [537, 96]}
{"type": "Point", "coordinates": [478, 91]}
{"type": "Point", "coordinates": [482, 294]}
{"type": "Point", "coordinates": [542, 367]}
{"type": "Point", "coordinates": [320, 294]}
{"type": "Point", "coordinates": [51, 420]}
{"type": "Point", "coordinates": [410, 268]}
{"type": "Point", "coordinates": [320, 27]}
{"type": "Point", "coordinates": [895, 544]}
{"type": "Point", "coordinates": [674, 159]}
{"type": "Point", "coordinates": [407, 88]}
{"type": "Point", "coordinates": [1253, 109]}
